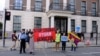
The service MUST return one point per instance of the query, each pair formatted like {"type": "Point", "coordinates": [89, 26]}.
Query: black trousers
{"type": "Point", "coordinates": [63, 45]}
{"type": "Point", "coordinates": [22, 46]}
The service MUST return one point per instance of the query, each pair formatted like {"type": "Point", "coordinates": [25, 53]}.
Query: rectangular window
{"type": "Point", "coordinates": [38, 5]}
{"type": "Point", "coordinates": [37, 22]}
{"type": "Point", "coordinates": [18, 5]}
{"type": "Point", "coordinates": [94, 9]}
{"type": "Point", "coordinates": [72, 25]}
{"type": "Point", "coordinates": [94, 24]}
{"type": "Point", "coordinates": [72, 5]}
{"type": "Point", "coordinates": [56, 4]}
{"type": "Point", "coordinates": [17, 23]}
{"type": "Point", "coordinates": [83, 25]}
{"type": "Point", "coordinates": [83, 8]}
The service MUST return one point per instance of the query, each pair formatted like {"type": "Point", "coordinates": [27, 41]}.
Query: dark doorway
{"type": "Point", "coordinates": [61, 23]}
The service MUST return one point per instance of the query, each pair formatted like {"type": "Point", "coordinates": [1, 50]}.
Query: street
{"type": "Point", "coordinates": [42, 50]}
{"type": "Point", "coordinates": [82, 51]}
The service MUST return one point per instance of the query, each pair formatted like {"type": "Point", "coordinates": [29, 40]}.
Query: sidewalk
{"type": "Point", "coordinates": [8, 44]}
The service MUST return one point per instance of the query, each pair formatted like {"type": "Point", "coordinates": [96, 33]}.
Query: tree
{"type": "Point", "coordinates": [0, 26]}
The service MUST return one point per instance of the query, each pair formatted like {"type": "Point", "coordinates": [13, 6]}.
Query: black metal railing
{"type": "Point", "coordinates": [59, 6]}
{"type": "Point", "coordinates": [95, 15]}
{"type": "Point", "coordinates": [38, 9]}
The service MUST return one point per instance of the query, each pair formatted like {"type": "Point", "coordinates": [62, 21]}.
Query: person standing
{"type": "Point", "coordinates": [57, 40]}
{"type": "Point", "coordinates": [14, 39]}
{"type": "Point", "coordinates": [91, 38]}
{"type": "Point", "coordinates": [64, 39]}
{"type": "Point", "coordinates": [27, 33]}
{"type": "Point", "coordinates": [73, 45]}
{"type": "Point", "coordinates": [74, 42]}
{"type": "Point", "coordinates": [23, 37]}
{"type": "Point", "coordinates": [82, 35]}
{"type": "Point", "coordinates": [31, 43]}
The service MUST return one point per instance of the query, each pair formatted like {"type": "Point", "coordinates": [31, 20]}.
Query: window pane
{"type": "Point", "coordinates": [56, 6]}
{"type": "Point", "coordinates": [72, 5]}
{"type": "Point", "coordinates": [18, 4]}
{"type": "Point", "coordinates": [94, 23]}
{"type": "Point", "coordinates": [72, 25]}
{"type": "Point", "coordinates": [94, 9]}
{"type": "Point", "coordinates": [83, 25]}
{"type": "Point", "coordinates": [56, 1]}
{"type": "Point", "coordinates": [83, 3]}
{"type": "Point", "coordinates": [17, 23]}
{"type": "Point", "coordinates": [83, 8]}
{"type": "Point", "coordinates": [37, 22]}
{"type": "Point", "coordinates": [94, 5]}
{"type": "Point", "coordinates": [38, 5]}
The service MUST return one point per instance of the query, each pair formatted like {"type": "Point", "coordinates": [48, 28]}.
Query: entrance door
{"type": "Point", "coordinates": [61, 23]}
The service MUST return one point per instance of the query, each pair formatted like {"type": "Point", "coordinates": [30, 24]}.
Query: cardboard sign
{"type": "Point", "coordinates": [77, 29]}
{"type": "Point", "coordinates": [44, 34]}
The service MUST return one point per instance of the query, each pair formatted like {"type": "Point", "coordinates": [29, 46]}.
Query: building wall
{"type": "Point", "coordinates": [27, 19]}
{"type": "Point", "coordinates": [27, 14]}
{"type": "Point", "coordinates": [88, 21]}
{"type": "Point", "coordinates": [88, 6]}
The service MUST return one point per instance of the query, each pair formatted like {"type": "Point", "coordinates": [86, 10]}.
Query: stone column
{"type": "Point", "coordinates": [69, 24]}
{"type": "Point", "coordinates": [28, 6]}
{"type": "Point", "coordinates": [47, 5]}
{"type": "Point", "coordinates": [52, 21]}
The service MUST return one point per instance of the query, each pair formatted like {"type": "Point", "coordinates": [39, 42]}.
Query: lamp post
{"type": "Point", "coordinates": [96, 34]}
{"type": "Point", "coordinates": [4, 28]}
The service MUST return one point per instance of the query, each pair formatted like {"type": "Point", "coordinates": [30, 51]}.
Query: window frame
{"type": "Point", "coordinates": [38, 6]}
{"type": "Point", "coordinates": [72, 5]}
{"type": "Point", "coordinates": [16, 25]}
{"type": "Point", "coordinates": [84, 26]}
{"type": "Point", "coordinates": [72, 24]}
{"type": "Point", "coordinates": [94, 26]}
{"type": "Point", "coordinates": [83, 8]}
{"type": "Point", "coordinates": [18, 5]}
{"type": "Point", "coordinates": [37, 24]}
{"type": "Point", "coordinates": [94, 9]}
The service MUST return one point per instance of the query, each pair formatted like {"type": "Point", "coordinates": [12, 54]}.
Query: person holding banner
{"type": "Point", "coordinates": [64, 39]}
{"type": "Point", "coordinates": [74, 39]}
{"type": "Point", "coordinates": [57, 40]}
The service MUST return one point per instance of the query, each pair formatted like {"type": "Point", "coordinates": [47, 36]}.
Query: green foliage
{"type": "Point", "coordinates": [0, 25]}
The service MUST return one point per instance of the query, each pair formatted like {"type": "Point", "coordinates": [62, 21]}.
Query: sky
{"type": "Point", "coordinates": [2, 4]}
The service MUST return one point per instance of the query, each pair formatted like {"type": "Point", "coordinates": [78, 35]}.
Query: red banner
{"type": "Point", "coordinates": [44, 34]}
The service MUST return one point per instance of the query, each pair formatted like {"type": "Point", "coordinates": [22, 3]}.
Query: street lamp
{"type": "Point", "coordinates": [96, 34]}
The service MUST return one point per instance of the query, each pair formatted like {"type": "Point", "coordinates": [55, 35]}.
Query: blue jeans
{"type": "Point", "coordinates": [73, 48]}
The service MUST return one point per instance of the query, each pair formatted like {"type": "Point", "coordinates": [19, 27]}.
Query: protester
{"type": "Point", "coordinates": [91, 35]}
{"type": "Point", "coordinates": [73, 45]}
{"type": "Point", "coordinates": [23, 37]}
{"type": "Point", "coordinates": [64, 39]}
{"type": "Point", "coordinates": [57, 40]}
{"type": "Point", "coordinates": [14, 39]}
{"type": "Point", "coordinates": [31, 43]}
{"type": "Point", "coordinates": [27, 39]}
{"type": "Point", "coordinates": [82, 35]}
{"type": "Point", "coordinates": [87, 42]}
{"type": "Point", "coordinates": [74, 42]}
